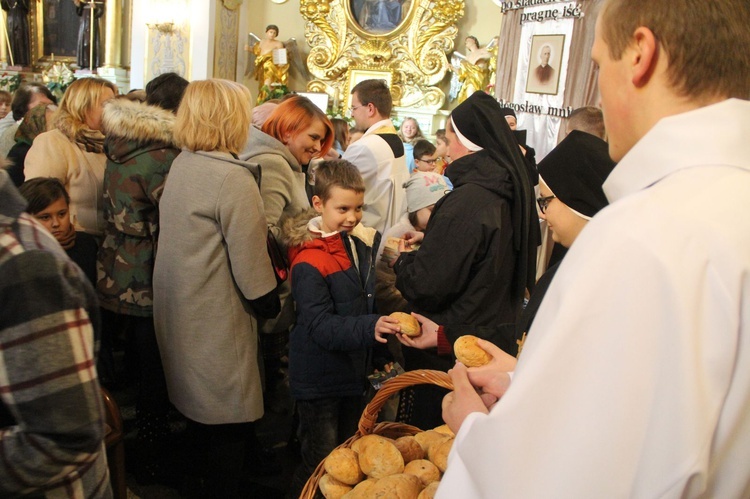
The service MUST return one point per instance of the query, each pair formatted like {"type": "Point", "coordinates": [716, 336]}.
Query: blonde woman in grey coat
{"type": "Point", "coordinates": [212, 278]}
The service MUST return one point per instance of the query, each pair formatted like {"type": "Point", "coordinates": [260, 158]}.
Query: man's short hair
{"type": "Point", "coordinates": [587, 119]}
{"type": "Point", "coordinates": [273, 27]}
{"type": "Point", "coordinates": [166, 91]}
{"type": "Point", "coordinates": [23, 95]}
{"type": "Point", "coordinates": [337, 173]}
{"type": "Point", "coordinates": [707, 43]}
{"type": "Point", "coordinates": [374, 92]}
{"type": "Point", "coordinates": [422, 148]}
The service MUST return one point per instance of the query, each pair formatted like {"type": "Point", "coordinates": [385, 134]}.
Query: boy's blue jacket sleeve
{"type": "Point", "coordinates": [329, 327]}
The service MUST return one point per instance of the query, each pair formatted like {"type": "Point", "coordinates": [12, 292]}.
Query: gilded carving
{"type": "Point", "coordinates": [408, 39]}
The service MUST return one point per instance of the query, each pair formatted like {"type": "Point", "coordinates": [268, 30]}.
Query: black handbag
{"type": "Point", "coordinates": [278, 261]}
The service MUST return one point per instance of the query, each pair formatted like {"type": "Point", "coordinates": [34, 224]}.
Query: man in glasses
{"type": "Point", "coordinates": [634, 380]}
{"type": "Point", "coordinates": [378, 155]}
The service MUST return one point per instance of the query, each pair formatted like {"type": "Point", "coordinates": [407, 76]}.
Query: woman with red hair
{"type": "Point", "coordinates": [294, 133]}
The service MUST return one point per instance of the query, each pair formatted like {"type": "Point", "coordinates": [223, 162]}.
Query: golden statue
{"type": "Point", "coordinates": [269, 58]}
{"type": "Point", "coordinates": [471, 72]}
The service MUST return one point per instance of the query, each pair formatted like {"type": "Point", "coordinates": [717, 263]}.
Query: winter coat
{"type": "Point", "coordinates": [330, 347]}
{"type": "Point", "coordinates": [140, 151]}
{"type": "Point", "coordinates": [212, 261]}
{"type": "Point", "coordinates": [55, 154]}
{"type": "Point", "coordinates": [282, 185]}
{"type": "Point", "coordinates": [461, 276]}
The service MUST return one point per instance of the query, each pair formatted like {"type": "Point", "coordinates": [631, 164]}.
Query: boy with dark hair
{"type": "Point", "coordinates": [424, 156]}
{"type": "Point", "coordinates": [5, 98]}
{"type": "Point", "coordinates": [48, 202]}
{"type": "Point", "coordinates": [333, 284]}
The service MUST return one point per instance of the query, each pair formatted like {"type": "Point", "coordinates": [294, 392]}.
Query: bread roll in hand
{"type": "Point", "coordinates": [409, 325]}
{"type": "Point", "coordinates": [469, 353]}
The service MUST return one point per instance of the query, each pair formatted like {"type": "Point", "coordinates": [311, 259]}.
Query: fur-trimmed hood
{"type": "Point", "coordinates": [134, 120]}
{"type": "Point", "coordinates": [295, 234]}
{"type": "Point", "coordinates": [131, 126]}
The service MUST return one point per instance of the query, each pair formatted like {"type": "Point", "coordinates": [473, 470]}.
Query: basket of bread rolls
{"type": "Point", "coordinates": [386, 459]}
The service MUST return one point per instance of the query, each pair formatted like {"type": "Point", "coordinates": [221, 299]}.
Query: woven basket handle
{"type": "Point", "coordinates": [395, 385]}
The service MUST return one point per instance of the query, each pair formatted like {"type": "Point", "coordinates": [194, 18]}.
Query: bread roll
{"type": "Point", "coordinates": [332, 488]}
{"type": "Point", "coordinates": [409, 325]}
{"type": "Point", "coordinates": [423, 469]}
{"type": "Point", "coordinates": [359, 444]}
{"type": "Point", "coordinates": [410, 448]}
{"type": "Point", "coordinates": [380, 458]}
{"type": "Point", "coordinates": [438, 454]}
{"type": "Point", "coordinates": [362, 490]}
{"type": "Point", "coordinates": [399, 486]}
{"type": "Point", "coordinates": [444, 430]}
{"type": "Point", "coordinates": [429, 438]}
{"type": "Point", "coordinates": [429, 491]}
{"type": "Point", "coordinates": [469, 353]}
{"type": "Point", "coordinates": [343, 465]}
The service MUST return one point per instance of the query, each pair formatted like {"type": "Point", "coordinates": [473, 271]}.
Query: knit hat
{"type": "Point", "coordinates": [424, 189]}
{"type": "Point", "coordinates": [575, 171]}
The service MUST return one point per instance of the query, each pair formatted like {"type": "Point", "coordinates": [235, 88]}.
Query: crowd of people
{"type": "Point", "coordinates": [158, 217]}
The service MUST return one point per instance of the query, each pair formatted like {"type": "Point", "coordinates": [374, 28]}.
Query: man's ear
{"type": "Point", "coordinates": [317, 204]}
{"type": "Point", "coordinates": [645, 56]}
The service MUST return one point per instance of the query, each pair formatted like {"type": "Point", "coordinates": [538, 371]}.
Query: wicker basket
{"type": "Point", "coordinates": [367, 423]}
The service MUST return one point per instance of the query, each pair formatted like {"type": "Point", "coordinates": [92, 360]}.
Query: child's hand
{"type": "Point", "coordinates": [386, 325]}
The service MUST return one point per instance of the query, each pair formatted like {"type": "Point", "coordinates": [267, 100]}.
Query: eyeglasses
{"type": "Point", "coordinates": [543, 202]}
{"type": "Point", "coordinates": [428, 161]}
{"type": "Point", "coordinates": [354, 108]}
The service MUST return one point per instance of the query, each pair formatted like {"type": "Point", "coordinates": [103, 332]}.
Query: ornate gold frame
{"type": "Point", "coordinates": [414, 52]}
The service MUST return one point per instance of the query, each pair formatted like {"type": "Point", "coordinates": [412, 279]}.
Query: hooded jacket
{"type": "Point", "coordinates": [283, 186]}
{"type": "Point", "coordinates": [140, 151]}
{"type": "Point", "coordinates": [461, 276]}
{"type": "Point", "coordinates": [330, 345]}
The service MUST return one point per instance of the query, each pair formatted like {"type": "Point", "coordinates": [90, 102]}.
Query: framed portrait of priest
{"type": "Point", "coordinates": [545, 61]}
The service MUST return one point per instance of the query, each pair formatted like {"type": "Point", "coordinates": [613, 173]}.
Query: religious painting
{"type": "Point", "coordinates": [379, 16]}
{"type": "Point", "coordinates": [545, 61]}
{"type": "Point", "coordinates": [356, 75]}
{"type": "Point", "coordinates": [54, 30]}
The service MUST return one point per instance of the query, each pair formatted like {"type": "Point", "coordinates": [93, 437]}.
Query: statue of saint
{"type": "Point", "coordinates": [18, 30]}
{"type": "Point", "coordinates": [83, 53]}
{"type": "Point", "coordinates": [267, 73]}
{"type": "Point", "coordinates": [471, 71]}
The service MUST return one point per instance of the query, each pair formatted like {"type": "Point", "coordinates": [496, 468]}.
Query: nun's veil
{"type": "Point", "coordinates": [480, 121]}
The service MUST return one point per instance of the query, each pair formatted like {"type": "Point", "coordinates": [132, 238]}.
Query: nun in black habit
{"type": "Point", "coordinates": [571, 178]}
{"type": "Point", "coordinates": [570, 184]}
{"type": "Point", "coordinates": [478, 256]}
